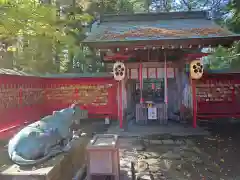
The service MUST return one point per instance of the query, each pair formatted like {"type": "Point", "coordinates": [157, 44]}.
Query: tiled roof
{"type": "Point", "coordinates": [156, 29]}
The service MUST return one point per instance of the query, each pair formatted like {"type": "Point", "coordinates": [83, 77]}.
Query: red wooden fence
{"type": "Point", "coordinates": [218, 95]}
{"type": "Point", "coordinates": [25, 98]}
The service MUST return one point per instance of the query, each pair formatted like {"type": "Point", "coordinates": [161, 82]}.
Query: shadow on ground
{"type": "Point", "coordinates": [165, 159]}
{"type": "Point", "coordinates": [222, 146]}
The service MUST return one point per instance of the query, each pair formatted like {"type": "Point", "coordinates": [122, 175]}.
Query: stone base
{"type": "Point", "coordinates": [62, 167]}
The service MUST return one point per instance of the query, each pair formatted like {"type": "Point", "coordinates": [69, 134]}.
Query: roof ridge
{"type": "Point", "coordinates": [154, 16]}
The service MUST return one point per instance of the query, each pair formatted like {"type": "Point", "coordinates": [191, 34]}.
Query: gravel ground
{"type": "Point", "coordinates": [213, 157]}
{"type": "Point", "coordinates": [223, 146]}
{"type": "Point", "coordinates": [177, 159]}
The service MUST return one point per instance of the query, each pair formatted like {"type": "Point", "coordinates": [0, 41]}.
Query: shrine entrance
{"type": "Point", "coordinates": [152, 94]}
{"type": "Point", "coordinates": [147, 92]}
{"type": "Point", "coordinates": [153, 48]}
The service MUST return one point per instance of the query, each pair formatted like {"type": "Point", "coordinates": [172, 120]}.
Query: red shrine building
{"type": "Point", "coordinates": [155, 49]}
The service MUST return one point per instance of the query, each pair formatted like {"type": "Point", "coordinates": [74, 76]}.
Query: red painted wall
{"type": "Point", "coordinates": [225, 100]}
{"type": "Point", "coordinates": [25, 98]}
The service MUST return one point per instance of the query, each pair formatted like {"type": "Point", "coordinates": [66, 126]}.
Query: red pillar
{"type": "Point", "coordinates": [120, 113]}
{"type": "Point", "coordinates": [140, 82]}
{"type": "Point", "coordinates": [194, 102]}
{"type": "Point", "coordinates": [165, 81]}
{"type": "Point", "coordinates": [166, 86]}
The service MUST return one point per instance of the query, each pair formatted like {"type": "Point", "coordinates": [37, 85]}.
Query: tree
{"type": "Point", "coordinates": [162, 5]}
{"type": "Point", "coordinates": [225, 58]}
{"type": "Point", "coordinates": [84, 59]}
{"type": "Point", "coordinates": [229, 57]}
{"type": "Point", "coordinates": [218, 60]}
{"type": "Point", "coordinates": [38, 34]}
{"type": "Point", "coordinates": [191, 5]}
{"type": "Point", "coordinates": [232, 20]}
{"type": "Point", "coordinates": [122, 6]}
{"type": "Point", "coordinates": [96, 7]}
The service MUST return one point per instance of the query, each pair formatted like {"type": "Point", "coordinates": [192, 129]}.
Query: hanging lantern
{"type": "Point", "coordinates": [119, 71]}
{"type": "Point", "coordinates": [196, 69]}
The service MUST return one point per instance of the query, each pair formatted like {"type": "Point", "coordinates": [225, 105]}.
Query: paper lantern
{"type": "Point", "coordinates": [196, 69]}
{"type": "Point", "coordinates": [119, 71]}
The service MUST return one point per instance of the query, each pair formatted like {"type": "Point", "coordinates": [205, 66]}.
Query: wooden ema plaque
{"type": "Point", "coordinates": [213, 91]}
{"type": "Point", "coordinates": [103, 157]}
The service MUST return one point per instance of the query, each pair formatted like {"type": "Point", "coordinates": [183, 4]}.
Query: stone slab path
{"type": "Point", "coordinates": [165, 159]}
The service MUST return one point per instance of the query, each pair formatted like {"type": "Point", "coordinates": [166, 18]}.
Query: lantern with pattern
{"type": "Point", "coordinates": [196, 69]}
{"type": "Point", "coordinates": [119, 71]}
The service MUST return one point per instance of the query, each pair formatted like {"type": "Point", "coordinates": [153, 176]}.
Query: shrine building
{"type": "Point", "coordinates": [155, 49]}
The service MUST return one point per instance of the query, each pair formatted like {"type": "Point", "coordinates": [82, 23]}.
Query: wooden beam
{"type": "Point", "coordinates": [167, 43]}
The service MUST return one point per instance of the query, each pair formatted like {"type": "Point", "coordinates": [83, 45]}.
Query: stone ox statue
{"type": "Point", "coordinates": [46, 138]}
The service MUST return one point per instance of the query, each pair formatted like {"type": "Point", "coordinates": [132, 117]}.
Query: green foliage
{"type": "Point", "coordinates": [219, 59]}
{"type": "Point", "coordinates": [224, 58]}
{"type": "Point", "coordinates": [112, 6]}
{"type": "Point", "coordinates": [234, 22]}
{"type": "Point", "coordinates": [43, 42]}
{"type": "Point", "coordinates": [39, 34]}
{"type": "Point", "coordinates": [25, 17]}
{"type": "Point", "coordinates": [228, 57]}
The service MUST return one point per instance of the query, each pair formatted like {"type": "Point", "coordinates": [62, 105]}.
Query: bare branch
{"type": "Point", "coordinates": [187, 4]}
{"type": "Point", "coordinates": [215, 3]}
{"type": "Point", "coordinates": [166, 7]}
{"type": "Point", "coordinates": [206, 2]}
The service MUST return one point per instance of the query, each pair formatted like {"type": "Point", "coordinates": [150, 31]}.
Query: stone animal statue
{"type": "Point", "coordinates": [45, 138]}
